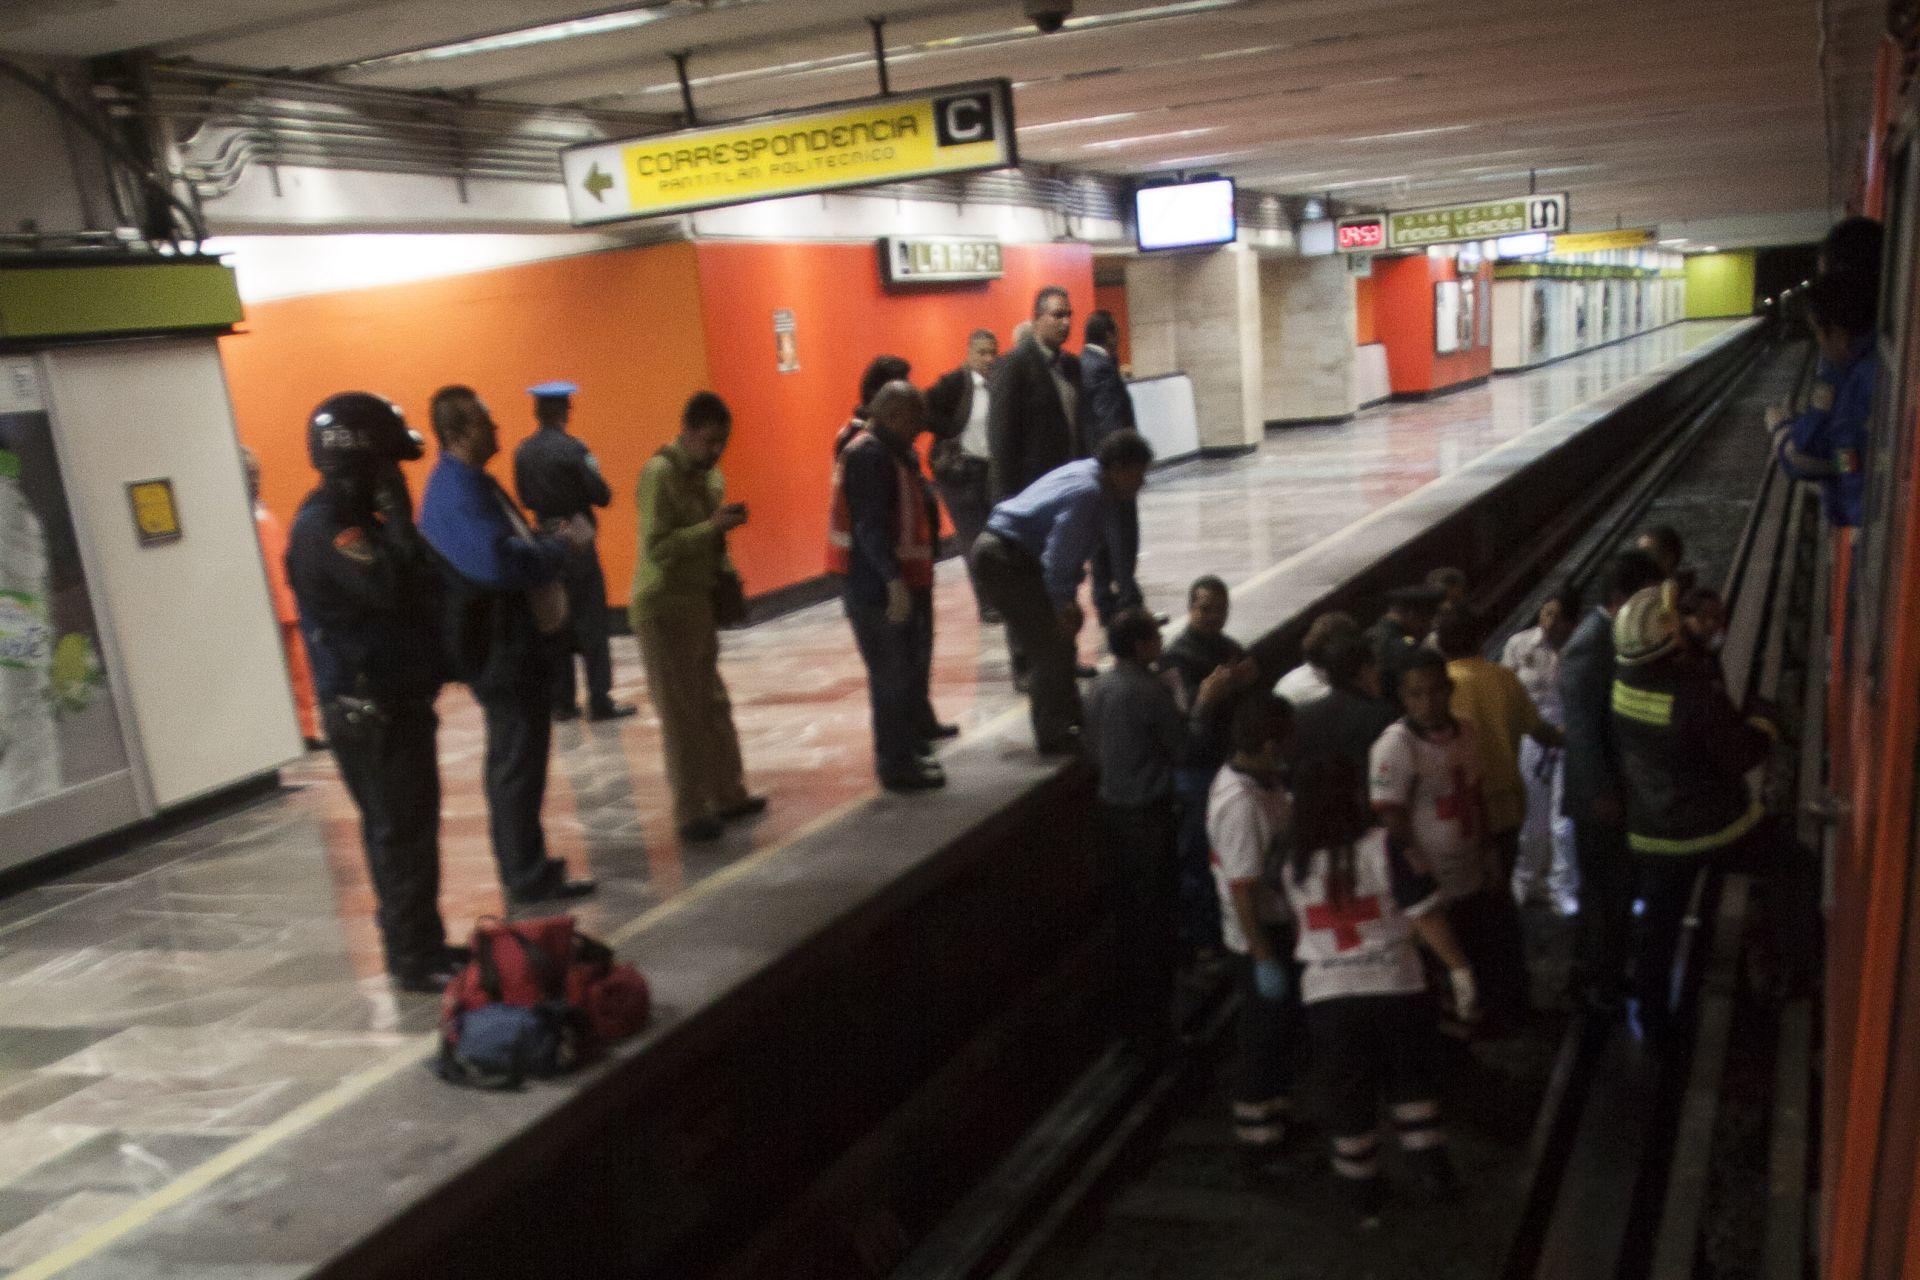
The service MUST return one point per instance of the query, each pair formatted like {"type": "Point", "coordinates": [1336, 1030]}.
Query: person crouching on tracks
{"type": "Point", "coordinates": [1357, 906]}
{"type": "Point", "coordinates": [1248, 813]}
{"type": "Point", "coordinates": [1685, 751]}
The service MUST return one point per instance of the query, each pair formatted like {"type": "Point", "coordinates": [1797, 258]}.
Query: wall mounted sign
{"type": "Point", "coordinates": [956, 129]}
{"type": "Point", "coordinates": [1482, 220]}
{"type": "Point", "coordinates": [1599, 241]}
{"type": "Point", "coordinates": [938, 259]}
{"type": "Point", "coordinates": [786, 342]}
{"type": "Point", "coordinates": [155, 518]}
{"type": "Point", "coordinates": [1364, 234]}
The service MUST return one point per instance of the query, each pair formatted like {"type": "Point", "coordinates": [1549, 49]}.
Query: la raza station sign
{"type": "Point", "coordinates": [956, 129]}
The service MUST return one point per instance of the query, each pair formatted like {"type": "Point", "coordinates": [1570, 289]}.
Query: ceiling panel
{"type": "Point", "coordinates": [1644, 109]}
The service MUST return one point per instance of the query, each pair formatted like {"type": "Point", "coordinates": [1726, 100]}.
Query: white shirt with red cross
{"type": "Point", "coordinates": [1363, 944]}
{"type": "Point", "coordinates": [1436, 777]}
{"type": "Point", "coordinates": [1244, 818]}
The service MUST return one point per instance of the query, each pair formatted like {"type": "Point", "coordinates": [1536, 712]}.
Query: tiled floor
{"type": "Point", "coordinates": [161, 1006]}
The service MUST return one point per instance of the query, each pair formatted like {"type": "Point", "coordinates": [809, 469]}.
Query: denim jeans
{"type": "Point", "coordinates": [898, 657]}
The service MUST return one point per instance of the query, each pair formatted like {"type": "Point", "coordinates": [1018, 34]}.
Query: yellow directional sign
{"type": "Point", "coordinates": [1597, 241]}
{"type": "Point", "coordinates": [889, 139]}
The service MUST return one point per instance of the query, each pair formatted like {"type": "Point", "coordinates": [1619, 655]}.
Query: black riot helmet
{"type": "Point", "coordinates": [357, 433]}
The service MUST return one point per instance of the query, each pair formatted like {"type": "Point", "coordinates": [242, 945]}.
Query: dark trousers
{"type": "Point", "coordinates": [1786, 880]}
{"type": "Point", "coordinates": [392, 772]}
{"type": "Point", "coordinates": [1140, 880]}
{"type": "Point", "coordinates": [898, 658]}
{"type": "Point", "coordinates": [1367, 1049]}
{"type": "Point", "coordinates": [1199, 915]}
{"type": "Point", "coordinates": [519, 739]}
{"type": "Point", "coordinates": [1114, 562]}
{"type": "Point", "coordinates": [1606, 908]}
{"type": "Point", "coordinates": [1010, 576]}
{"type": "Point", "coordinates": [964, 491]}
{"type": "Point", "coordinates": [586, 635]}
{"type": "Point", "coordinates": [1267, 1033]}
{"type": "Point", "coordinates": [1487, 925]}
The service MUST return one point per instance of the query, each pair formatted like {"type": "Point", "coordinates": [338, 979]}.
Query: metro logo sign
{"type": "Point", "coordinates": [1361, 235]}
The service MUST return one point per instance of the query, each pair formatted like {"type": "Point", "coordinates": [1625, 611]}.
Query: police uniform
{"type": "Point", "coordinates": [368, 609]}
{"type": "Point", "coordinates": [1393, 644]}
{"type": "Point", "coordinates": [557, 478]}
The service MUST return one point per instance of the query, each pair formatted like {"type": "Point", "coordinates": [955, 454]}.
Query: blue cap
{"type": "Point", "coordinates": [552, 390]}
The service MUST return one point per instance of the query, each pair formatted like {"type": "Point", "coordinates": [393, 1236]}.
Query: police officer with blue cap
{"type": "Point", "coordinates": [558, 478]}
{"type": "Point", "coordinates": [368, 594]}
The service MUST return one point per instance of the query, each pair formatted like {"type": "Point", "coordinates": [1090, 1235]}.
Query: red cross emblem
{"type": "Point", "coordinates": [1462, 805]}
{"type": "Point", "coordinates": [1344, 919]}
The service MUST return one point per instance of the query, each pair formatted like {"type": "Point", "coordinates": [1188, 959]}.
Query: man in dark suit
{"type": "Point", "coordinates": [1033, 413]}
{"type": "Point", "coordinates": [958, 407]}
{"type": "Point", "coordinates": [1592, 793]}
{"type": "Point", "coordinates": [1107, 407]}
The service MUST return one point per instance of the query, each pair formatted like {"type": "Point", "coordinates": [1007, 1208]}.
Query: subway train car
{"type": "Point", "coordinates": [1870, 1134]}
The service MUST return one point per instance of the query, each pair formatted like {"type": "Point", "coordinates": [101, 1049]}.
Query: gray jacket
{"type": "Point", "coordinates": [1586, 698]}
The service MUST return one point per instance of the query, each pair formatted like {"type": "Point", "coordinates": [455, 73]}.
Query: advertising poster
{"type": "Point", "coordinates": [1468, 294]}
{"type": "Point", "coordinates": [1580, 337]}
{"type": "Point", "coordinates": [58, 727]}
{"type": "Point", "coordinates": [1537, 321]}
{"type": "Point", "coordinates": [786, 342]}
{"type": "Point", "coordinates": [1446, 316]}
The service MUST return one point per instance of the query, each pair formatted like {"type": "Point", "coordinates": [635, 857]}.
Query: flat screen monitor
{"type": "Point", "coordinates": [1184, 216]}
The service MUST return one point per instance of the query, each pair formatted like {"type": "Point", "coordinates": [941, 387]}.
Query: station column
{"type": "Point", "coordinates": [1307, 313]}
{"type": "Point", "coordinates": [1199, 314]}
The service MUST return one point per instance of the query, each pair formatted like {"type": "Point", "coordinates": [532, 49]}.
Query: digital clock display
{"type": "Point", "coordinates": [1360, 235]}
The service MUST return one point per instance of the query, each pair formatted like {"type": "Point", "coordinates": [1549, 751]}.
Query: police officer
{"type": "Point", "coordinates": [1401, 630]}
{"type": "Point", "coordinates": [368, 605]}
{"type": "Point", "coordinates": [557, 478]}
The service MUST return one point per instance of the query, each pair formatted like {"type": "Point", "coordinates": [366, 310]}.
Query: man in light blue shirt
{"type": "Point", "coordinates": [1031, 558]}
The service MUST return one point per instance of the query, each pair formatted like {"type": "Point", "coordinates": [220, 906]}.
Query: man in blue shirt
{"type": "Point", "coordinates": [1030, 561]}
{"type": "Point", "coordinates": [1827, 442]}
{"type": "Point", "coordinates": [508, 610]}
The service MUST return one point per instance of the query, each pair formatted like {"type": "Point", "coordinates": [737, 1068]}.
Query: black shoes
{"type": "Point", "coordinates": [940, 731]}
{"type": "Point", "coordinates": [924, 776]}
{"type": "Point", "coordinates": [751, 807]}
{"type": "Point", "coordinates": [432, 976]}
{"type": "Point", "coordinates": [554, 887]}
{"type": "Point", "coordinates": [701, 830]}
{"type": "Point", "coordinates": [563, 714]}
{"type": "Point", "coordinates": [613, 711]}
{"type": "Point", "coordinates": [1085, 672]}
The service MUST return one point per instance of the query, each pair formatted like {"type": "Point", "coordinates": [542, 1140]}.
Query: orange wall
{"type": "Point", "coordinates": [1113, 297]}
{"type": "Point", "coordinates": [780, 462]}
{"type": "Point", "coordinates": [1364, 330]}
{"type": "Point", "coordinates": [1403, 320]}
{"type": "Point", "coordinates": [622, 324]}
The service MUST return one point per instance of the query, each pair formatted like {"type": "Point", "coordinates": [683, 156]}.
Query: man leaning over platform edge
{"type": "Point", "coordinates": [1030, 562]}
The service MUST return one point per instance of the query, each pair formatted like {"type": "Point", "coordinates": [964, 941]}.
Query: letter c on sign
{"type": "Point", "coordinates": [963, 119]}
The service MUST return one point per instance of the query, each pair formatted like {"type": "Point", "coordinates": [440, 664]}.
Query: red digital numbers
{"type": "Point", "coordinates": [1368, 234]}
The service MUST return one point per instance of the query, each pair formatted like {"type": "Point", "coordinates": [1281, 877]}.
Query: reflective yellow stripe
{"type": "Point", "coordinates": [1642, 704]}
{"type": "Point", "coordinates": [1699, 844]}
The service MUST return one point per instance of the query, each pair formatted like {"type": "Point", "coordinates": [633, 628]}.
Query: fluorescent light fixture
{"type": "Point", "coordinates": [1675, 240]}
{"type": "Point", "coordinates": [1712, 248]}
{"type": "Point", "coordinates": [1116, 143]}
{"type": "Point", "coordinates": [1083, 123]}
{"type": "Point", "coordinates": [1410, 133]}
{"type": "Point", "coordinates": [929, 48]}
{"type": "Point", "coordinates": [599, 24]}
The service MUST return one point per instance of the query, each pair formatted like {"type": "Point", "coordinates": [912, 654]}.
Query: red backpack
{"type": "Point", "coordinates": [577, 999]}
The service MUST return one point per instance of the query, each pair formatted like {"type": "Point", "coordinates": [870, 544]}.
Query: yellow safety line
{"type": "Point", "coordinates": [312, 1112]}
